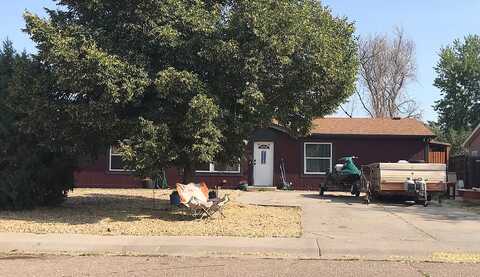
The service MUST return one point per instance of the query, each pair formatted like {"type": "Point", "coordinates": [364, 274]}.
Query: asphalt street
{"type": "Point", "coordinates": [64, 266]}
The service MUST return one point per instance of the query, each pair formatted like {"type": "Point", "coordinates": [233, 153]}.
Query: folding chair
{"type": "Point", "coordinates": [195, 198]}
{"type": "Point", "coordinates": [209, 208]}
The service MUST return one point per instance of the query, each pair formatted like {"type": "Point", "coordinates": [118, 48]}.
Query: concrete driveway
{"type": "Point", "coordinates": [343, 226]}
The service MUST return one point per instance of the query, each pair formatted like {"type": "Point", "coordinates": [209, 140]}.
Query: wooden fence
{"type": "Point", "coordinates": [437, 157]}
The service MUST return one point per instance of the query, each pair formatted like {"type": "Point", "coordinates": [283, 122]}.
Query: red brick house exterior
{"type": "Point", "coordinates": [472, 143]}
{"type": "Point", "coordinates": [471, 168]}
{"type": "Point", "coordinates": [306, 160]}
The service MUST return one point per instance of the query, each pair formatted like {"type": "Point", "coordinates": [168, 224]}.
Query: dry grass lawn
{"type": "Point", "coordinates": [448, 257]}
{"type": "Point", "coordinates": [131, 212]}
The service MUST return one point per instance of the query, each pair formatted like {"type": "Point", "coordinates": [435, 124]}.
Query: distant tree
{"type": "Point", "coordinates": [387, 66]}
{"type": "Point", "coordinates": [455, 137]}
{"type": "Point", "coordinates": [182, 83]}
{"type": "Point", "coordinates": [458, 78]}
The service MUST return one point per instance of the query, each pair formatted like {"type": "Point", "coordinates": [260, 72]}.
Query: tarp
{"type": "Point", "coordinates": [349, 168]}
{"type": "Point", "coordinates": [186, 192]}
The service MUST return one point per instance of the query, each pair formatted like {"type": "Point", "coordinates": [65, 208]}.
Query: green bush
{"type": "Point", "coordinates": [37, 179]}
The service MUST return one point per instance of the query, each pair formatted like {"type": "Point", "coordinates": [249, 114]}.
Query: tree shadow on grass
{"type": "Point", "coordinates": [95, 207]}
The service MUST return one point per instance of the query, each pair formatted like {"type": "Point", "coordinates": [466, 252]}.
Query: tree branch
{"type": "Point", "coordinates": [349, 115]}
{"type": "Point", "coordinates": [363, 104]}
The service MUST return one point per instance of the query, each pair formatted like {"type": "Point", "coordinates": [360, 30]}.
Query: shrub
{"type": "Point", "coordinates": [39, 178]}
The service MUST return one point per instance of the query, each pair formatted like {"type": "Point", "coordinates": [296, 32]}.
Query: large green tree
{"type": "Point", "coordinates": [458, 78]}
{"type": "Point", "coordinates": [186, 82]}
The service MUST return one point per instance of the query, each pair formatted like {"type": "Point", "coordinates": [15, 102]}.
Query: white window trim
{"type": "Point", "coordinates": [110, 163]}
{"type": "Point", "coordinates": [211, 169]}
{"type": "Point", "coordinates": [316, 158]}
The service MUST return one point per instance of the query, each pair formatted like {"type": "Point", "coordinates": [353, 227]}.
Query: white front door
{"type": "Point", "coordinates": [263, 163]}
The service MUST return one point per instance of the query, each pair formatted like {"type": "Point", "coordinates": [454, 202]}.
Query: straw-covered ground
{"type": "Point", "coordinates": [139, 212]}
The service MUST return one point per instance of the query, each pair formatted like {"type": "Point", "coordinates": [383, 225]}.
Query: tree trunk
{"type": "Point", "coordinates": [188, 174]}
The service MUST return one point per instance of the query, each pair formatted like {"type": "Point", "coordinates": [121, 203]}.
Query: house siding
{"type": "Point", "coordinates": [97, 175]}
{"type": "Point", "coordinates": [368, 150]}
{"type": "Point", "coordinates": [472, 162]}
{"type": "Point", "coordinates": [474, 144]}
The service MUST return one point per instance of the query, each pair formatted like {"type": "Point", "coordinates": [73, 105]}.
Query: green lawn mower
{"type": "Point", "coordinates": [345, 177]}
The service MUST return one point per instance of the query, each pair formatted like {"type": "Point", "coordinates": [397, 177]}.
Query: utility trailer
{"type": "Point", "coordinates": [417, 181]}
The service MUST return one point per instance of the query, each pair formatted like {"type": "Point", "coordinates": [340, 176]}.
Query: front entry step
{"type": "Point", "coordinates": [260, 188]}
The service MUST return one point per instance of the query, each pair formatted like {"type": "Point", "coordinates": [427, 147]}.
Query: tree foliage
{"type": "Point", "coordinates": [186, 82]}
{"type": "Point", "coordinates": [456, 138]}
{"type": "Point", "coordinates": [458, 78]}
{"type": "Point", "coordinates": [35, 168]}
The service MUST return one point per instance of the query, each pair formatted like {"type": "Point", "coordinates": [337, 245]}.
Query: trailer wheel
{"type": "Point", "coordinates": [355, 190]}
{"type": "Point", "coordinates": [367, 199]}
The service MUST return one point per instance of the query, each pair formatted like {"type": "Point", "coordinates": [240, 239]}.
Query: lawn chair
{"type": "Point", "coordinates": [195, 198]}
{"type": "Point", "coordinates": [209, 208]}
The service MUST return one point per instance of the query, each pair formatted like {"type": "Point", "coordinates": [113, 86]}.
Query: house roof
{"type": "Point", "coordinates": [471, 136]}
{"type": "Point", "coordinates": [370, 127]}
{"type": "Point", "coordinates": [436, 142]}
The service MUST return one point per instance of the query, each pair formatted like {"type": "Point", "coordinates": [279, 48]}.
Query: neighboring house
{"type": "Point", "coordinates": [306, 159]}
{"type": "Point", "coordinates": [472, 143]}
{"type": "Point", "coordinates": [468, 167]}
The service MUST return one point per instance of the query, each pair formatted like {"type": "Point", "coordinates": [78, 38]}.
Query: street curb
{"type": "Point", "coordinates": [157, 245]}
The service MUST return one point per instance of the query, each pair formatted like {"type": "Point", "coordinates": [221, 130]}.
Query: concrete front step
{"type": "Point", "coordinates": [259, 188]}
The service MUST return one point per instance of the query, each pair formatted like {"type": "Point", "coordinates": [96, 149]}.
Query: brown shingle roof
{"type": "Point", "coordinates": [370, 126]}
{"type": "Point", "coordinates": [472, 136]}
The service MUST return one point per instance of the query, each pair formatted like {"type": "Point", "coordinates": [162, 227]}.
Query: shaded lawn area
{"type": "Point", "coordinates": [132, 212]}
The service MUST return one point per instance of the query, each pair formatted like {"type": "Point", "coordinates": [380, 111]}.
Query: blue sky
{"type": "Point", "coordinates": [430, 23]}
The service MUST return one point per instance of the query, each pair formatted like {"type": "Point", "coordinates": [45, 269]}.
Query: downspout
{"type": "Point", "coordinates": [427, 150]}
{"type": "Point", "coordinates": [447, 156]}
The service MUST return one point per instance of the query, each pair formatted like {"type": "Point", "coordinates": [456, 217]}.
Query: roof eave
{"type": "Point", "coordinates": [440, 143]}
{"type": "Point", "coordinates": [471, 136]}
{"type": "Point", "coordinates": [281, 129]}
{"type": "Point", "coordinates": [373, 135]}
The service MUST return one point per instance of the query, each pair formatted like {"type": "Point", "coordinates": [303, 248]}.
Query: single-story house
{"type": "Point", "coordinates": [306, 160]}
{"type": "Point", "coordinates": [467, 166]}
{"type": "Point", "coordinates": [472, 143]}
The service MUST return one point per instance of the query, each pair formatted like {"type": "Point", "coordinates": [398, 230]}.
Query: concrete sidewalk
{"type": "Point", "coordinates": [308, 248]}
{"type": "Point", "coordinates": [158, 245]}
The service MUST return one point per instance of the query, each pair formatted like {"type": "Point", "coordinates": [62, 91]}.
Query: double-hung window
{"type": "Point", "coordinates": [115, 160]}
{"type": "Point", "coordinates": [317, 157]}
